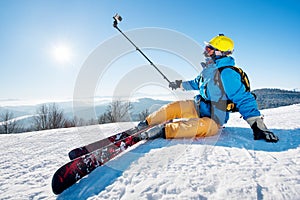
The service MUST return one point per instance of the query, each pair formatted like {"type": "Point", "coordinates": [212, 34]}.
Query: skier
{"type": "Point", "coordinates": [206, 114]}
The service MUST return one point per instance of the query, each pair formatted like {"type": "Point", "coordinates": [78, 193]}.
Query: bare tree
{"type": "Point", "coordinates": [102, 119]}
{"type": "Point", "coordinates": [56, 117]}
{"type": "Point", "coordinates": [117, 111]}
{"type": "Point", "coordinates": [144, 114]}
{"type": "Point", "coordinates": [49, 117]}
{"type": "Point", "coordinates": [8, 124]}
{"type": "Point", "coordinates": [74, 122]}
{"type": "Point", "coordinates": [41, 119]}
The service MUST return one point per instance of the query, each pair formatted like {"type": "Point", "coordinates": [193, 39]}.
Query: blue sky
{"type": "Point", "coordinates": [266, 35]}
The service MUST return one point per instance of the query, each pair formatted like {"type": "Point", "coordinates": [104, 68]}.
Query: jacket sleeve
{"type": "Point", "coordinates": [236, 92]}
{"type": "Point", "coordinates": [192, 84]}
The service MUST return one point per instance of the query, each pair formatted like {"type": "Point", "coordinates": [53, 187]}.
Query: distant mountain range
{"type": "Point", "coordinates": [272, 98]}
{"type": "Point", "coordinates": [266, 98]}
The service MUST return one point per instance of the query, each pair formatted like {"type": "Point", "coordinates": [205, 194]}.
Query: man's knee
{"type": "Point", "coordinates": [195, 127]}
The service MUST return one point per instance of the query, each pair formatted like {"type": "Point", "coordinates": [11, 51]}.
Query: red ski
{"type": "Point", "coordinates": [77, 152]}
{"type": "Point", "coordinates": [70, 173]}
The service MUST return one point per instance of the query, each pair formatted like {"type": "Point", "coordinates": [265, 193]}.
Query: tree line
{"type": "Point", "coordinates": [51, 116]}
{"type": "Point", "coordinates": [273, 98]}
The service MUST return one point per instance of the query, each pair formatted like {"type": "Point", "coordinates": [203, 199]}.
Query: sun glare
{"type": "Point", "coordinates": [62, 53]}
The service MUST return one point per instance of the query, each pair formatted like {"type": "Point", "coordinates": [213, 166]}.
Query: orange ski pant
{"type": "Point", "coordinates": [192, 127]}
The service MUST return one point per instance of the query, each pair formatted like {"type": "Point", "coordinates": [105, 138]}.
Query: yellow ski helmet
{"type": "Point", "coordinates": [222, 43]}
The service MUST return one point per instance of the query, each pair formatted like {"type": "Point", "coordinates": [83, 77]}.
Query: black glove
{"type": "Point", "coordinates": [176, 84]}
{"type": "Point", "coordinates": [208, 61]}
{"type": "Point", "coordinates": [263, 134]}
{"type": "Point", "coordinates": [260, 131]}
{"type": "Point", "coordinates": [203, 64]}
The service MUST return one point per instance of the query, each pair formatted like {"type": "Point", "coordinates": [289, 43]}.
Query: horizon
{"type": "Point", "coordinates": [162, 96]}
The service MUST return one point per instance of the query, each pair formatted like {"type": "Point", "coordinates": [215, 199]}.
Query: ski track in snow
{"type": "Point", "coordinates": [227, 166]}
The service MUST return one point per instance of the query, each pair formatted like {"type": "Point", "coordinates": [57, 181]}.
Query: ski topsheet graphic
{"type": "Point", "coordinates": [77, 152]}
{"type": "Point", "coordinates": [71, 172]}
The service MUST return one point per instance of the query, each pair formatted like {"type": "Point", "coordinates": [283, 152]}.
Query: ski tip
{"type": "Point", "coordinates": [75, 153]}
{"type": "Point", "coordinates": [59, 182]}
{"type": "Point", "coordinates": [72, 155]}
{"type": "Point", "coordinates": [56, 185]}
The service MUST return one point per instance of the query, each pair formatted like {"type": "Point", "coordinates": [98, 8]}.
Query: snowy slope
{"type": "Point", "coordinates": [228, 166]}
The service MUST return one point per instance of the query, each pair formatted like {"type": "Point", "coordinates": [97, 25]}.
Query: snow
{"type": "Point", "coordinates": [16, 119]}
{"type": "Point", "coordinates": [227, 166]}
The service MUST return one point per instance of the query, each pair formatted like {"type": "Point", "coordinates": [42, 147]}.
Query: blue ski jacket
{"type": "Point", "coordinates": [210, 92]}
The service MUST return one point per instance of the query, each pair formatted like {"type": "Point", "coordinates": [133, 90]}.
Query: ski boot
{"type": "Point", "coordinates": [157, 131]}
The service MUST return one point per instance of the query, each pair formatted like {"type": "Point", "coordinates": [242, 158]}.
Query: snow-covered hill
{"type": "Point", "coordinates": [228, 166]}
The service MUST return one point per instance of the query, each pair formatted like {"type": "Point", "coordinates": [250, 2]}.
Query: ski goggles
{"type": "Point", "coordinates": [208, 48]}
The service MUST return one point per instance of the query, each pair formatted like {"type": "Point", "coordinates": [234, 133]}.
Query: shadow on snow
{"type": "Point", "coordinates": [232, 137]}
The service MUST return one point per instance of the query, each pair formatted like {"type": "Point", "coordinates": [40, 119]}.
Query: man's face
{"type": "Point", "coordinates": [208, 51]}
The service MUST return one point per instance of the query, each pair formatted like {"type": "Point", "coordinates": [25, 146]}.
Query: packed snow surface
{"type": "Point", "coordinates": [230, 165]}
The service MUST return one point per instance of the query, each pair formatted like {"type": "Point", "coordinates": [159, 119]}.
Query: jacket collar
{"type": "Point", "coordinates": [225, 61]}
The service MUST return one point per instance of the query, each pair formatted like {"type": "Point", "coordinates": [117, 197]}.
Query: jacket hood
{"type": "Point", "coordinates": [226, 61]}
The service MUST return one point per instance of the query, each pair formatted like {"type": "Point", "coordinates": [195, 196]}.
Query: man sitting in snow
{"type": "Point", "coordinates": [207, 113]}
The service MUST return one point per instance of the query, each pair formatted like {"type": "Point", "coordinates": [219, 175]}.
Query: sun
{"type": "Point", "coordinates": [62, 53]}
